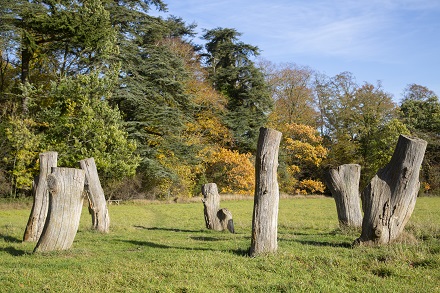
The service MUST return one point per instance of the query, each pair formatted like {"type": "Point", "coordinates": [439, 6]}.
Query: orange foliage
{"type": "Point", "coordinates": [232, 171]}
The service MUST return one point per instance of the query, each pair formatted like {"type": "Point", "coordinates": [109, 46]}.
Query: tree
{"type": "Point", "coordinates": [420, 111]}
{"type": "Point", "coordinates": [301, 155]}
{"type": "Point", "coordinates": [360, 123]}
{"type": "Point", "coordinates": [155, 103]}
{"type": "Point", "coordinates": [234, 74]}
{"type": "Point", "coordinates": [292, 90]}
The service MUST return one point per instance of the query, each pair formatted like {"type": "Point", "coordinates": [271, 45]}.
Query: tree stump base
{"type": "Point", "coordinates": [215, 218]}
{"type": "Point", "coordinates": [66, 186]}
{"type": "Point", "coordinates": [389, 200]}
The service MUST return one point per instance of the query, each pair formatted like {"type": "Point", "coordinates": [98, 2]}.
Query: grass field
{"type": "Point", "coordinates": [166, 248]}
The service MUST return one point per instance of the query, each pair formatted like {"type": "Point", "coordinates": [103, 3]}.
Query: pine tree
{"type": "Point", "coordinates": [234, 74]}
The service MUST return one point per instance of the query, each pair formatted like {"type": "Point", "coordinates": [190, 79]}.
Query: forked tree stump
{"type": "Point", "coordinates": [389, 200]}
{"type": "Point", "coordinates": [95, 194]}
{"type": "Point", "coordinates": [66, 186]}
{"type": "Point", "coordinates": [40, 193]}
{"type": "Point", "coordinates": [343, 183]}
{"type": "Point", "coordinates": [215, 218]}
{"type": "Point", "coordinates": [266, 199]}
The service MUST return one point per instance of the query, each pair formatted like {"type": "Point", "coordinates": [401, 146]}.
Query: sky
{"type": "Point", "coordinates": [396, 42]}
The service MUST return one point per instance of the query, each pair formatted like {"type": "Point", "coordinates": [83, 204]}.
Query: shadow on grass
{"type": "Point", "coordinates": [325, 243]}
{"type": "Point", "coordinates": [8, 238]}
{"type": "Point", "coordinates": [204, 238]}
{"type": "Point", "coordinates": [169, 229]}
{"type": "Point", "coordinates": [239, 252]}
{"type": "Point", "coordinates": [12, 251]}
{"type": "Point", "coordinates": [157, 245]}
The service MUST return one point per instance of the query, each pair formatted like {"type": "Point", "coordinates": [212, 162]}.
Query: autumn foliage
{"type": "Point", "coordinates": [233, 172]}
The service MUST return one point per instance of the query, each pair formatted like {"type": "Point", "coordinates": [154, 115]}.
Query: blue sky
{"type": "Point", "coordinates": [394, 41]}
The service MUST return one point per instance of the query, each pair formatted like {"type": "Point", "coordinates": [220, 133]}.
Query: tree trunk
{"type": "Point", "coordinates": [66, 186]}
{"type": "Point", "coordinates": [211, 205]}
{"type": "Point", "coordinates": [225, 219]}
{"type": "Point", "coordinates": [266, 199]}
{"type": "Point", "coordinates": [40, 194]}
{"type": "Point", "coordinates": [343, 183]}
{"type": "Point", "coordinates": [389, 200]}
{"type": "Point", "coordinates": [215, 218]}
{"type": "Point", "coordinates": [95, 194]}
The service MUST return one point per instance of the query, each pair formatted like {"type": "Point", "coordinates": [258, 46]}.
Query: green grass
{"type": "Point", "coordinates": [166, 248]}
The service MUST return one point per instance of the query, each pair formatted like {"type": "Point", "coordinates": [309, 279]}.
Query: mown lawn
{"type": "Point", "coordinates": [166, 248]}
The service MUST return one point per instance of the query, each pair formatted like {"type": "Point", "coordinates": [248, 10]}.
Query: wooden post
{"type": "Point", "coordinates": [40, 194]}
{"type": "Point", "coordinates": [66, 186]}
{"type": "Point", "coordinates": [211, 205]}
{"type": "Point", "coordinates": [266, 199]}
{"type": "Point", "coordinates": [389, 200]}
{"type": "Point", "coordinates": [95, 194]}
{"type": "Point", "coordinates": [343, 183]}
{"type": "Point", "coordinates": [215, 218]}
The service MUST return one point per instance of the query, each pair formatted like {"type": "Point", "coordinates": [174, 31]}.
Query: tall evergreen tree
{"type": "Point", "coordinates": [234, 74]}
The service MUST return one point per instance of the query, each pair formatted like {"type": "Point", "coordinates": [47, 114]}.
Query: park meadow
{"type": "Point", "coordinates": [165, 247]}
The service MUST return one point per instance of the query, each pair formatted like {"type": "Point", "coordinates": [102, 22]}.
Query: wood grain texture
{"type": "Point", "coordinates": [66, 186]}
{"type": "Point", "coordinates": [95, 195]}
{"type": "Point", "coordinates": [266, 198]}
{"type": "Point", "coordinates": [389, 200]}
{"type": "Point", "coordinates": [40, 194]}
{"type": "Point", "coordinates": [343, 183]}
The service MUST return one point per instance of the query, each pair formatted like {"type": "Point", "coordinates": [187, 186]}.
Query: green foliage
{"type": "Point", "coordinates": [21, 151]}
{"type": "Point", "coordinates": [359, 123]}
{"type": "Point", "coordinates": [234, 74]}
{"type": "Point", "coordinates": [421, 113]}
{"type": "Point", "coordinates": [150, 246]}
{"type": "Point", "coordinates": [77, 122]}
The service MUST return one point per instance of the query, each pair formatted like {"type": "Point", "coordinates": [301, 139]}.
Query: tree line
{"type": "Point", "coordinates": [163, 115]}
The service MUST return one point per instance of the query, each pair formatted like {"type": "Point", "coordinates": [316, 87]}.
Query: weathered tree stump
{"type": "Point", "coordinates": [389, 200]}
{"type": "Point", "coordinates": [343, 183]}
{"type": "Point", "coordinates": [95, 194]}
{"type": "Point", "coordinates": [211, 205]}
{"type": "Point", "coordinates": [225, 218]}
{"type": "Point", "coordinates": [215, 218]}
{"type": "Point", "coordinates": [40, 193]}
{"type": "Point", "coordinates": [266, 199]}
{"type": "Point", "coordinates": [66, 186]}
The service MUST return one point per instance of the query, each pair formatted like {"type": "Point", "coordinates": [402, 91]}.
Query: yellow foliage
{"type": "Point", "coordinates": [185, 182]}
{"type": "Point", "coordinates": [312, 186]}
{"type": "Point", "coordinates": [232, 171]}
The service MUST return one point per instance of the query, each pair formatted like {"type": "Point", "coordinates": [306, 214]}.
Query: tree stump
{"type": "Point", "coordinates": [266, 199]}
{"type": "Point", "coordinates": [95, 194]}
{"type": "Point", "coordinates": [389, 200]}
{"type": "Point", "coordinates": [343, 183]}
{"type": "Point", "coordinates": [215, 218]}
{"type": "Point", "coordinates": [225, 218]}
{"type": "Point", "coordinates": [40, 193]}
{"type": "Point", "coordinates": [66, 186]}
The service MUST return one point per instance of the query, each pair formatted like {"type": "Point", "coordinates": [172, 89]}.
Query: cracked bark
{"type": "Point", "coordinates": [266, 198]}
{"type": "Point", "coordinates": [389, 200]}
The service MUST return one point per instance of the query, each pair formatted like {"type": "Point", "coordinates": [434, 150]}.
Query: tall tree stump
{"type": "Point", "coordinates": [266, 199]}
{"type": "Point", "coordinates": [211, 205]}
{"type": "Point", "coordinates": [40, 193]}
{"type": "Point", "coordinates": [66, 186]}
{"type": "Point", "coordinates": [95, 194]}
{"type": "Point", "coordinates": [215, 218]}
{"type": "Point", "coordinates": [389, 200]}
{"type": "Point", "coordinates": [343, 183]}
